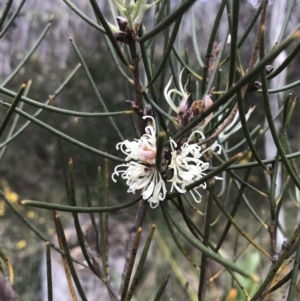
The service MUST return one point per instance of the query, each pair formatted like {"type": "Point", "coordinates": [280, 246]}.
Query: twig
{"type": "Point", "coordinates": [136, 77]}
{"type": "Point", "coordinates": [139, 219]}
{"type": "Point", "coordinates": [143, 205]}
{"type": "Point", "coordinates": [288, 250]}
{"type": "Point", "coordinates": [97, 266]}
{"type": "Point", "coordinates": [205, 259]}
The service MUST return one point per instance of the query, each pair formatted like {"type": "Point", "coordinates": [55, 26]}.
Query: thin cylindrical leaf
{"type": "Point", "coordinates": [94, 87]}
{"type": "Point", "coordinates": [64, 136]}
{"type": "Point", "coordinates": [79, 232]}
{"type": "Point", "coordinates": [161, 289]}
{"type": "Point", "coordinates": [141, 263]}
{"type": "Point", "coordinates": [241, 231]}
{"type": "Point", "coordinates": [205, 258]}
{"type": "Point", "coordinates": [109, 33]}
{"type": "Point", "coordinates": [105, 217]}
{"type": "Point", "coordinates": [269, 117]}
{"type": "Point", "coordinates": [239, 84]}
{"type": "Point", "coordinates": [49, 271]}
{"type": "Point", "coordinates": [84, 17]}
{"type": "Point", "coordinates": [198, 245]}
{"type": "Point", "coordinates": [128, 271]}
{"type": "Point", "coordinates": [32, 227]}
{"type": "Point", "coordinates": [77, 209]}
{"type": "Point", "coordinates": [22, 128]}
{"type": "Point", "coordinates": [168, 21]}
{"type": "Point", "coordinates": [5, 12]}
{"type": "Point", "coordinates": [59, 110]}
{"type": "Point", "coordinates": [63, 244]}
{"type": "Point", "coordinates": [11, 109]}
{"type": "Point", "coordinates": [29, 54]}
{"type": "Point", "coordinates": [64, 260]}
{"type": "Point", "coordinates": [12, 18]}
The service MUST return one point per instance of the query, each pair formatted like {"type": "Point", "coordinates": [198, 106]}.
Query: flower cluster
{"type": "Point", "coordinates": [187, 166]}
{"type": "Point", "coordinates": [185, 162]}
{"type": "Point", "coordinates": [140, 172]}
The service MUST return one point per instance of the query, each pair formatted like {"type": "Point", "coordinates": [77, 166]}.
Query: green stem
{"type": "Point", "coordinates": [49, 272]}
{"type": "Point", "coordinates": [269, 117]}
{"type": "Point", "coordinates": [84, 17]}
{"type": "Point", "coordinates": [276, 266]}
{"type": "Point", "coordinates": [195, 40]}
{"type": "Point", "coordinates": [32, 227]}
{"type": "Point", "coordinates": [64, 136]}
{"type": "Point", "coordinates": [62, 237]}
{"type": "Point", "coordinates": [11, 109]}
{"type": "Point", "coordinates": [199, 246]}
{"type": "Point", "coordinates": [205, 258]}
{"type": "Point", "coordinates": [168, 21]}
{"type": "Point", "coordinates": [12, 19]}
{"type": "Point", "coordinates": [211, 41]}
{"type": "Point", "coordinates": [5, 12]}
{"type": "Point", "coordinates": [294, 276]}
{"type": "Point", "coordinates": [78, 209]}
{"type": "Point", "coordinates": [287, 19]}
{"type": "Point", "coordinates": [46, 107]}
{"type": "Point", "coordinates": [27, 123]}
{"type": "Point", "coordinates": [239, 84]}
{"type": "Point", "coordinates": [29, 54]}
{"type": "Point", "coordinates": [109, 33]}
{"type": "Point", "coordinates": [94, 87]}
{"type": "Point", "coordinates": [166, 53]}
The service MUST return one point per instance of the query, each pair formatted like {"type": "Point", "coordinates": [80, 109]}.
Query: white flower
{"type": "Point", "coordinates": [187, 114]}
{"type": "Point", "coordinates": [140, 172]}
{"type": "Point", "coordinates": [142, 150]}
{"type": "Point", "coordinates": [187, 166]}
{"type": "Point", "coordinates": [184, 95]}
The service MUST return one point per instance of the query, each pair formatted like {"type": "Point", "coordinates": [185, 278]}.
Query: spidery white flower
{"type": "Point", "coordinates": [140, 172]}
{"type": "Point", "coordinates": [182, 93]}
{"type": "Point", "coordinates": [186, 113]}
{"type": "Point", "coordinates": [187, 166]}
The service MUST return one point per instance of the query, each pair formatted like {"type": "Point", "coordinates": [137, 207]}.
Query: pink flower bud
{"type": "Point", "coordinates": [208, 102]}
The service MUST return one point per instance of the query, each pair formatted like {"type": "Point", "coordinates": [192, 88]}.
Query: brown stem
{"type": "Point", "coordinates": [263, 17]}
{"type": "Point", "coordinates": [136, 78]}
{"type": "Point", "coordinates": [97, 267]}
{"type": "Point", "coordinates": [288, 251]}
{"type": "Point", "coordinates": [271, 230]}
{"type": "Point", "coordinates": [143, 205]}
{"type": "Point", "coordinates": [139, 219]}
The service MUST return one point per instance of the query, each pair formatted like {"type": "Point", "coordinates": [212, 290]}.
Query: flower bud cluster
{"type": "Point", "coordinates": [131, 15]}
{"type": "Point", "coordinates": [185, 113]}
